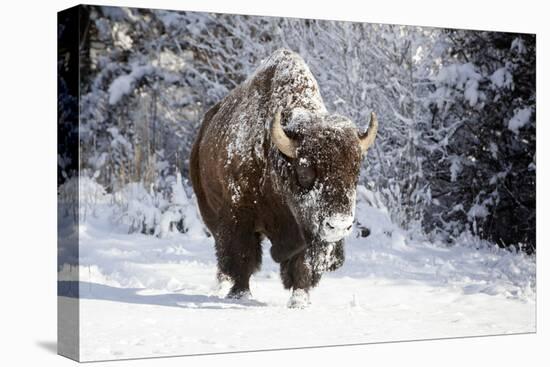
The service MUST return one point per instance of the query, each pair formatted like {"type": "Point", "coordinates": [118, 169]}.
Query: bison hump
{"type": "Point", "coordinates": [288, 82]}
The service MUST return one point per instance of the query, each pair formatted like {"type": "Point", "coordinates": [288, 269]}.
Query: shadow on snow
{"type": "Point", "coordinates": [86, 290]}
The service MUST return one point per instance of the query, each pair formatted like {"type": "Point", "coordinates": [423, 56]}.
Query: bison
{"type": "Point", "coordinates": [270, 161]}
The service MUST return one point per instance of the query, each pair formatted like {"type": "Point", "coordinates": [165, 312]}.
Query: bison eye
{"type": "Point", "coordinates": [306, 176]}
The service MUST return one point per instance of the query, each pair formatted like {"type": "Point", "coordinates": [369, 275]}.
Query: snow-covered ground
{"type": "Point", "coordinates": [145, 296]}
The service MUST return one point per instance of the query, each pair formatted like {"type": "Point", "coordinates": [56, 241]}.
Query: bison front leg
{"type": "Point", "coordinates": [303, 271]}
{"type": "Point", "coordinates": [298, 276]}
{"type": "Point", "coordinates": [239, 254]}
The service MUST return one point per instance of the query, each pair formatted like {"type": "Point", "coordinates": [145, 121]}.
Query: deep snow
{"type": "Point", "coordinates": [147, 296]}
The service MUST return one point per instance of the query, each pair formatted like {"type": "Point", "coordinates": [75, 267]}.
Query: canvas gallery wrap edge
{"type": "Point", "coordinates": [235, 183]}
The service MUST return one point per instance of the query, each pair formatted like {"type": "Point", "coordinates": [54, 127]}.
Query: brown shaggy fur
{"type": "Point", "coordinates": [247, 189]}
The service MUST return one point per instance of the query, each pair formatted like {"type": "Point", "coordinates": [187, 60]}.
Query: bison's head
{"type": "Point", "coordinates": [321, 156]}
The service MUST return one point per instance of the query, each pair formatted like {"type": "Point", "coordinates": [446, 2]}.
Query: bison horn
{"type": "Point", "coordinates": [367, 139]}
{"type": "Point", "coordinates": [286, 145]}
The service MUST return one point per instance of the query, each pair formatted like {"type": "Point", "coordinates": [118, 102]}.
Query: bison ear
{"type": "Point", "coordinates": [367, 138]}
{"type": "Point", "coordinates": [286, 145]}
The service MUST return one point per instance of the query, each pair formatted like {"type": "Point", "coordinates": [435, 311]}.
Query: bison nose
{"type": "Point", "coordinates": [332, 226]}
{"type": "Point", "coordinates": [336, 227]}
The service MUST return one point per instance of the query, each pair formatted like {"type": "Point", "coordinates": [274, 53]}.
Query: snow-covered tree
{"type": "Point", "coordinates": [479, 114]}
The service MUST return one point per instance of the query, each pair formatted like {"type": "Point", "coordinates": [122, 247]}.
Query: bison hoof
{"type": "Point", "coordinates": [239, 294]}
{"type": "Point", "coordinates": [299, 299]}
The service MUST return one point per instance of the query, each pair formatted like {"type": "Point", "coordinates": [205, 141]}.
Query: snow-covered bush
{"type": "Point", "coordinates": [91, 196]}
{"type": "Point", "coordinates": [157, 212]}
{"type": "Point", "coordinates": [67, 199]}
{"type": "Point", "coordinates": [181, 213]}
{"type": "Point", "coordinates": [80, 197]}
{"type": "Point", "coordinates": [138, 208]}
